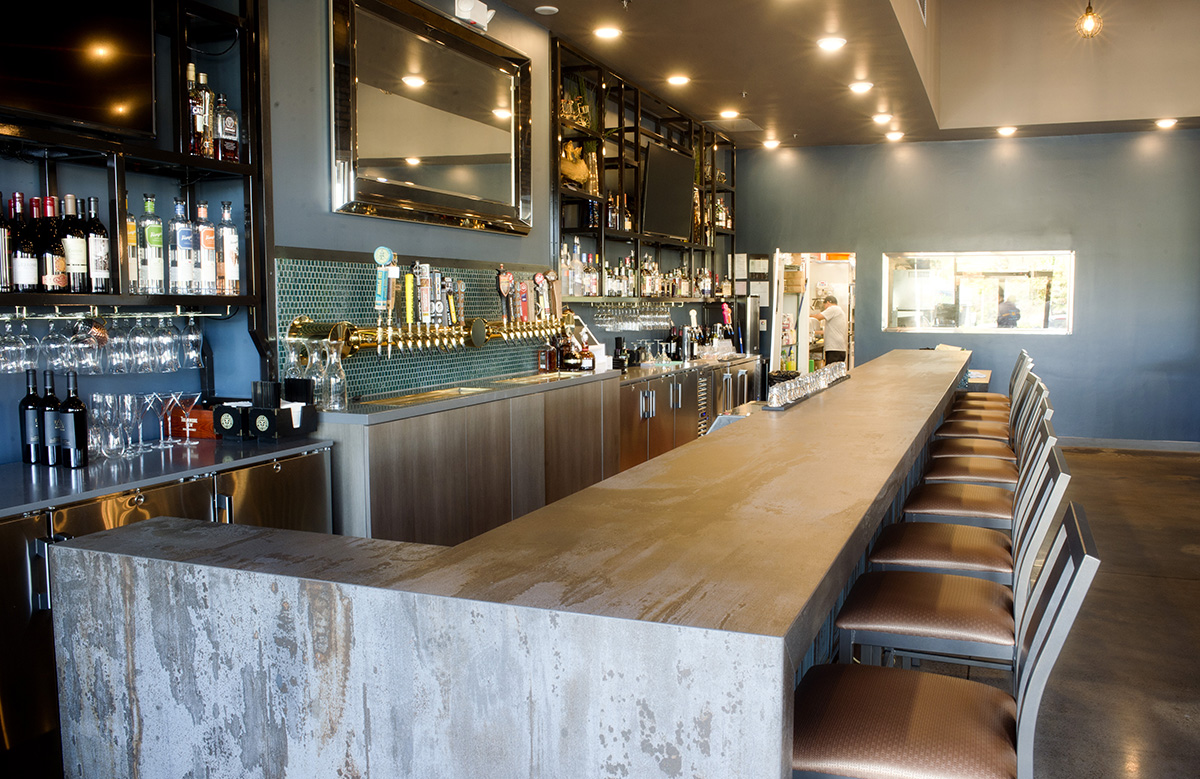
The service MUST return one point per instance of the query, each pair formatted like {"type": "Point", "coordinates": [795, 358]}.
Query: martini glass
{"type": "Point", "coordinates": [187, 401]}
{"type": "Point", "coordinates": [160, 402]}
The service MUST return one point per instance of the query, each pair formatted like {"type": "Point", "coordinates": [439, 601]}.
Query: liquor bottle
{"type": "Point", "coordinates": [626, 216]}
{"type": "Point", "coordinates": [24, 249]}
{"type": "Point", "coordinates": [181, 251]}
{"type": "Point", "coordinates": [53, 255]}
{"type": "Point", "coordinates": [229, 270]}
{"type": "Point", "coordinates": [206, 251]}
{"type": "Point", "coordinates": [72, 423]}
{"type": "Point", "coordinates": [196, 111]}
{"type": "Point", "coordinates": [151, 271]}
{"type": "Point", "coordinates": [48, 411]}
{"type": "Point", "coordinates": [576, 271]}
{"type": "Point", "coordinates": [228, 138]}
{"type": "Point", "coordinates": [208, 117]}
{"type": "Point", "coordinates": [99, 267]}
{"type": "Point", "coordinates": [74, 242]}
{"type": "Point", "coordinates": [5, 250]}
{"type": "Point", "coordinates": [132, 264]}
{"type": "Point", "coordinates": [31, 420]}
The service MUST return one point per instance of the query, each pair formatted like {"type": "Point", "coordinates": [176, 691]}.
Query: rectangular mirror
{"type": "Point", "coordinates": [430, 120]}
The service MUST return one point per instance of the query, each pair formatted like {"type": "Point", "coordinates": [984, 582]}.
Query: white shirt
{"type": "Point", "coordinates": [835, 329]}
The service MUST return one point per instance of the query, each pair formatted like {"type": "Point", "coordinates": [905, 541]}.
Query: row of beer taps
{"type": "Point", "coordinates": [529, 310]}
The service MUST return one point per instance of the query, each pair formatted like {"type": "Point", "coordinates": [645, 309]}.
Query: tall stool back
{"type": "Point", "coordinates": [1031, 530]}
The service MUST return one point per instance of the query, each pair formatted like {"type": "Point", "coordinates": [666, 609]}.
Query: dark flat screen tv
{"type": "Point", "coordinates": [667, 193]}
{"type": "Point", "coordinates": [80, 64]}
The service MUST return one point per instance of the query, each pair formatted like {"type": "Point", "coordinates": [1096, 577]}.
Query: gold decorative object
{"type": "Point", "coordinates": [571, 166]}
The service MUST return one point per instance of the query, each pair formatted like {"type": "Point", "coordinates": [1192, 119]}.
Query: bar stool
{"type": "Point", "coordinates": [1023, 365]}
{"type": "Point", "coordinates": [993, 471]}
{"type": "Point", "coordinates": [976, 424]}
{"type": "Point", "coordinates": [920, 612]}
{"type": "Point", "coordinates": [891, 723]}
{"type": "Point", "coordinates": [995, 446]}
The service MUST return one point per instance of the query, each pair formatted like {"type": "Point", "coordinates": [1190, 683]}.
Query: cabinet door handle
{"type": "Point", "coordinates": [225, 509]}
{"type": "Point", "coordinates": [653, 403]}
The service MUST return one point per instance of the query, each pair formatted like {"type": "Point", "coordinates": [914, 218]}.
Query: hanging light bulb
{"type": "Point", "coordinates": [1088, 25]}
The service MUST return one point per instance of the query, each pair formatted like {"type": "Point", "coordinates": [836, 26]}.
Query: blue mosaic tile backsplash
{"type": "Point", "coordinates": [331, 291]}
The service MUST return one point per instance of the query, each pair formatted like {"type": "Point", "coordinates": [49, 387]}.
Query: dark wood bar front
{"type": "Point", "coordinates": [652, 623]}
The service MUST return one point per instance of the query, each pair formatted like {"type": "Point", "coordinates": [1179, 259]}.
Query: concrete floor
{"type": "Point", "coordinates": [1124, 698]}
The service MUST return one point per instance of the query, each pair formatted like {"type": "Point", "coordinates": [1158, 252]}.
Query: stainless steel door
{"type": "Point", "coordinates": [191, 499]}
{"type": "Point", "coordinates": [634, 425]}
{"type": "Point", "coordinates": [292, 493]}
{"type": "Point", "coordinates": [28, 690]}
{"type": "Point", "coordinates": [662, 415]}
{"type": "Point", "coordinates": [687, 407]}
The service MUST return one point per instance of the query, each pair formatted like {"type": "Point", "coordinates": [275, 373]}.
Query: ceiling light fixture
{"type": "Point", "coordinates": [502, 113]}
{"type": "Point", "coordinates": [1089, 24]}
{"type": "Point", "coordinates": [1166, 124]}
{"type": "Point", "coordinates": [861, 86]}
{"type": "Point", "coordinates": [1006, 131]}
{"type": "Point", "coordinates": [546, 10]}
{"type": "Point", "coordinates": [678, 80]}
{"type": "Point", "coordinates": [771, 143]}
{"type": "Point", "coordinates": [607, 32]}
{"type": "Point", "coordinates": [832, 43]}
{"type": "Point", "coordinates": [413, 160]}
{"type": "Point", "coordinates": [895, 135]}
{"type": "Point", "coordinates": [729, 114]}
{"type": "Point", "coordinates": [882, 118]}
{"type": "Point", "coordinates": [414, 81]}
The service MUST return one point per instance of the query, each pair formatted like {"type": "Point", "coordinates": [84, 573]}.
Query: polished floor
{"type": "Point", "coordinates": [1124, 698]}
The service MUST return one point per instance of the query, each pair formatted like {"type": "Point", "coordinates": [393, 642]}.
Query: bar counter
{"type": "Point", "coordinates": [652, 624]}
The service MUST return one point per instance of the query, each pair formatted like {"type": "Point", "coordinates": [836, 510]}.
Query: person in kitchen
{"type": "Point", "coordinates": [1007, 315]}
{"type": "Point", "coordinates": [835, 330]}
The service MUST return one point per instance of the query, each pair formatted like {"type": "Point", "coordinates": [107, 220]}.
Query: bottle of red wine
{"type": "Point", "coordinates": [24, 248]}
{"type": "Point", "coordinates": [5, 250]}
{"type": "Point", "coordinates": [54, 258]}
{"type": "Point", "coordinates": [99, 267]}
{"type": "Point", "coordinates": [74, 241]}
{"type": "Point", "coordinates": [72, 419]}
{"type": "Point", "coordinates": [48, 406]}
{"type": "Point", "coordinates": [30, 409]}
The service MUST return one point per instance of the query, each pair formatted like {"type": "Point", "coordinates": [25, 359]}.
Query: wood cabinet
{"type": "Point", "coordinates": [660, 414]}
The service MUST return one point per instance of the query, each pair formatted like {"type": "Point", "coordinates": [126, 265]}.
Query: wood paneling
{"type": "Point", "coordinates": [574, 442]}
{"type": "Point", "coordinates": [528, 453]}
{"type": "Point", "coordinates": [484, 473]}
{"type": "Point", "coordinates": [610, 404]}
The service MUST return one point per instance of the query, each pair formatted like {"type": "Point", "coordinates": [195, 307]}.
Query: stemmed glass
{"type": "Point", "coordinates": [165, 340]}
{"type": "Point", "coordinates": [127, 418]}
{"type": "Point", "coordinates": [32, 347]}
{"type": "Point", "coordinates": [12, 351]}
{"type": "Point", "coordinates": [187, 401]}
{"type": "Point", "coordinates": [85, 349]}
{"type": "Point", "coordinates": [103, 412]}
{"type": "Point", "coordinates": [193, 345]}
{"type": "Point", "coordinates": [119, 352]}
{"type": "Point", "coordinates": [57, 348]}
{"type": "Point", "coordinates": [144, 403]}
{"type": "Point", "coordinates": [161, 402]}
{"type": "Point", "coordinates": [141, 351]}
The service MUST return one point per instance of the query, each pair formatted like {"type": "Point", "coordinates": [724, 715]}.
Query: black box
{"type": "Point", "coordinates": [280, 423]}
{"type": "Point", "coordinates": [232, 421]}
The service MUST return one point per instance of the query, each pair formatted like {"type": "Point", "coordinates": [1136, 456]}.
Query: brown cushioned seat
{"type": "Point", "coordinates": [948, 547]}
{"type": "Point", "coordinates": [992, 470]}
{"type": "Point", "coordinates": [930, 605]}
{"type": "Point", "coordinates": [887, 723]}
{"type": "Point", "coordinates": [996, 396]}
{"type": "Point", "coordinates": [996, 431]}
{"type": "Point", "coordinates": [975, 405]}
{"type": "Point", "coordinates": [961, 500]}
{"type": "Point", "coordinates": [971, 447]}
{"type": "Point", "coordinates": [973, 415]}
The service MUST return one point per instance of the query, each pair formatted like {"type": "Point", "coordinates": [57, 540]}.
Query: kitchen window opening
{"type": "Point", "coordinates": [979, 292]}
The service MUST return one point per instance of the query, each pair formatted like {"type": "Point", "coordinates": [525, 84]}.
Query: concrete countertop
{"type": "Point", "coordinates": [753, 529]}
{"type": "Point", "coordinates": [37, 487]}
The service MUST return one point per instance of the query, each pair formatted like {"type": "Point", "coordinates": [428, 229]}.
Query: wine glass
{"type": "Point", "coordinates": [141, 347]}
{"type": "Point", "coordinates": [193, 345]}
{"type": "Point", "coordinates": [187, 401]}
{"type": "Point", "coordinates": [127, 418]}
{"type": "Point", "coordinates": [112, 444]}
{"type": "Point", "coordinates": [12, 351]}
{"type": "Point", "coordinates": [85, 348]}
{"type": "Point", "coordinates": [165, 346]}
{"type": "Point", "coordinates": [32, 347]}
{"type": "Point", "coordinates": [118, 352]}
{"type": "Point", "coordinates": [57, 348]}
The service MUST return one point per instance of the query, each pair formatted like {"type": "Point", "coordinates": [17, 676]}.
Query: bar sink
{"type": "Point", "coordinates": [540, 378]}
{"type": "Point", "coordinates": [425, 397]}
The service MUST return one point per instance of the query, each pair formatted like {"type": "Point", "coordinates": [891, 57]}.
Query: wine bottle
{"type": "Point", "coordinates": [72, 423]}
{"type": "Point", "coordinates": [48, 409]}
{"type": "Point", "coordinates": [228, 139]}
{"type": "Point", "coordinates": [5, 250]}
{"type": "Point", "coordinates": [54, 258]}
{"type": "Point", "coordinates": [24, 249]}
{"type": "Point", "coordinates": [31, 420]}
{"type": "Point", "coordinates": [181, 251]}
{"type": "Point", "coordinates": [151, 271]}
{"type": "Point", "coordinates": [74, 242]}
{"type": "Point", "coordinates": [206, 251]}
{"type": "Point", "coordinates": [99, 268]}
{"type": "Point", "coordinates": [229, 270]}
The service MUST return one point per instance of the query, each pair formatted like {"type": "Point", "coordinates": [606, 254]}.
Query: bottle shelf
{"type": "Point", "coordinates": [46, 299]}
{"type": "Point", "coordinates": [604, 300]}
{"type": "Point", "coordinates": [578, 194]}
{"type": "Point", "coordinates": [576, 130]}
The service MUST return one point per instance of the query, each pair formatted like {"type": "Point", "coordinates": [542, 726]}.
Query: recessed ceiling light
{"type": "Point", "coordinates": [1166, 124]}
{"type": "Point", "coordinates": [832, 43]}
{"type": "Point", "coordinates": [861, 86]}
{"type": "Point", "coordinates": [729, 114]}
{"type": "Point", "coordinates": [882, 118]}
{"type": "Point", "coordinates": [607, 32]}
{"type": "Point", "coordinates": [772, 143]}
{"type": "Point", "coordinates": [502, 113]}
{"type": "Point", "coordinates": [546, 10]}
{"type": "Point", "coordinates": [1006, 130]}
{"type": "Point", "coordinates": [414, 81]}
{"type": "Point", "coordinates": [381, 180]}
{"type": "Point", "coordinates": [895, 135]}
{"type": "Point", "coordinates": [678, 80]}
{"type": "Point", "coordinates": [413, 160]}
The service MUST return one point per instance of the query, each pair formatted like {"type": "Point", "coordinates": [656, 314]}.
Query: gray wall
{"type": "Point", "coordinates": [1128, 205]}
{"type": "Point", "coordinates": [298, 32]}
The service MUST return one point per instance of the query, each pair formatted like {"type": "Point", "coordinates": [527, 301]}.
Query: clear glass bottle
{"type": "Point", "coordinates": [334, 391]}
{"type": "Point", "coordinates": [229, 270]}
{"type": "Point", "coordinates": [206, 251]}
{"type": "Point", "coordinates": [227, 131]}
{"type": "Point", "coordinates": [132, 264]}
{"type": "Point", "coordinates": [151, 269]}
{"type": "Point", "coordinates": [181, 251]}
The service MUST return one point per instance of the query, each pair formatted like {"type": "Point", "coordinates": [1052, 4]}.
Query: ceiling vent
{"type": "Point", "coordinates": [738, 125]}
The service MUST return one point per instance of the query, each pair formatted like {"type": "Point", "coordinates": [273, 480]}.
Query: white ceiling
{"type": "Point", "coordinates": [970, 66]}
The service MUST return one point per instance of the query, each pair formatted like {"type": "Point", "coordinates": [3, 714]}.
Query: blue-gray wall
{"type": "Point", "coordinates": [1127, 204]}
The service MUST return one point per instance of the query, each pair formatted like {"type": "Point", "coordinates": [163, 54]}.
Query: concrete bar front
{"type": "Point", "coordinates": [651, 625]}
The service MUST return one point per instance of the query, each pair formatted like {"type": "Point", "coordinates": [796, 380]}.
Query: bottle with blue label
{"type": "Point", "coordinates": [181, 251]}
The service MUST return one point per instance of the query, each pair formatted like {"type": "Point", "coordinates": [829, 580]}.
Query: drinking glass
{"type": "Point", "coordinates": [165, 346]}
{"type": "Point", "coordinates": [57, 349]}
{"type": "Point", "coordinates": [12, 351]}
{"type": "Point", "coordinates": [112, 443]}
{"type": "Point", "coordinates": [297, 359]}
{"type": "Point", "coordinates": [141, 347]}
{"type": "Point", "coordinates": [334, 386]}
{"type": "Point", "coordinates": [170, 401]}
{"type": "Point", "coordinates": [85, 349]}
{"type": "Point", "coordinates": [193, 345]}
{"type": "Point", "coordinates": [119, 351]}
{"type": "Point", "coordinates": [127, 419]}
{"type": "Point", "coordinates": [187, 401]}
{"type": "Point", "coordinates": [160, 404]}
